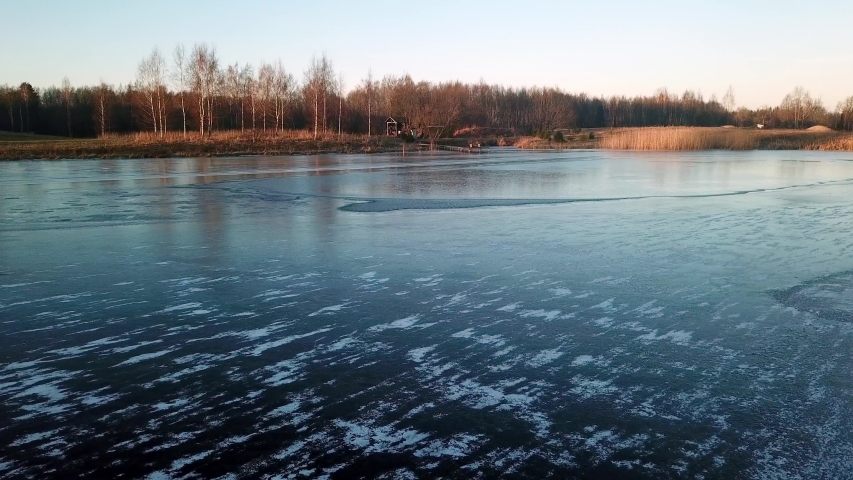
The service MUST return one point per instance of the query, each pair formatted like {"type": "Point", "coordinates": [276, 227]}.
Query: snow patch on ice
{"type": "Point", "coordinates": [545, 357]}
{"type": "Point", "coordinates": [418, 354]}
{"type": "Point", "coordinates": [548, 316]}
{"type": "Point", "coordinates": [285, 409]}
{"type": "Point", "coordinates": [581, 360]}
{"type": "Point", "coordinates": [467, 333]}
{"type": "Point", "coordinates": [458, 446]}
{"type": "Point", "coordinates": [183, 462]}
{"type": "Point", "coordinates": [679, 337]}
{"type": "Point", "coordinates": [510, 308]}
{"type": "Point", "coordinates": [384, 439]}
{"type": "Point", "coordinates": [587, 387]}
{"type": "Point", "coordinates": [284, 341]}
{"type": "Point", "coordinates": [33, 437]}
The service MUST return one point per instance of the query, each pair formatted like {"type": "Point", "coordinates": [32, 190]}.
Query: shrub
{"type": "Point", "coordinates": [558, 137]}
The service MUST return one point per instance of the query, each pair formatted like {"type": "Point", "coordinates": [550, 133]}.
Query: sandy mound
{"type": "Point", "coordinates": [818, 128]}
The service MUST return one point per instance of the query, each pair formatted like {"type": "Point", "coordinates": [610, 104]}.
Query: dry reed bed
{"type": "Point", "coordinates": [698, 138]}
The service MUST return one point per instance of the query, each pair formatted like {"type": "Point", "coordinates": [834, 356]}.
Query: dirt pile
{"type": "Point", "coordinates": [819, 129]}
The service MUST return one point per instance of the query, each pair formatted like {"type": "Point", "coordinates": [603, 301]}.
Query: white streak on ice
{"type": "Point", "coordinates": [284, 341]}
{"type": "Point", "coordinates": [145, 356]}
{"type": "Point", "coordinates": [403, 324]}
{"type": "Point", "coordinates": [330, 310]}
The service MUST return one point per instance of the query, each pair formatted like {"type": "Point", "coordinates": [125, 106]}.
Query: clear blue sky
{"type": "Point", "coordinates": [762, 48]}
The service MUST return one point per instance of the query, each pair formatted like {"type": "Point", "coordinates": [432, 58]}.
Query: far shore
{"type": "Point", "coordinates": [225, 144]}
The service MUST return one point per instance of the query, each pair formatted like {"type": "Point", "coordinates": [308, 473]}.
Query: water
{"type": "Point", "coordinates": [530, 314]}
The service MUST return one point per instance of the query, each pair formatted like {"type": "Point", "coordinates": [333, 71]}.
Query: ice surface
{"type": "Point", "coordinates": [562, 314]}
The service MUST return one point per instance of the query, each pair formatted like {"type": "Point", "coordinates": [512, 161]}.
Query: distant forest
{"type": "Point", "coordinates": [192, 91]}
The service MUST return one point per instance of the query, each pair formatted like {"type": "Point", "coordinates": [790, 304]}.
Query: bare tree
{"type": "Point", "coordinates": [266, 79]}
{"type": "Point", "coordinates": [245, 88]}
{"type": "Point", "coordinates": [26, 91]}
{"type": "Point", "coordinates": [282, 85]}
{"type": "Point", "coordinates": [328, 80]}
{"type": "Point", "coordinates": [11, 97]}
{"type": "Point", "coordinates": [204, 77]}
{"type": "Point", "coordinates": [252, 89]}
{"type": "Point", "coordinates": [102, 98]}
{"type": "Point", "coordinates": [233, 88]}
{"type": "Point", "coordinates": [339, 87]}
{"type": "Point", "coordinates": [729, 99]}
{"type": "Point", "coordinates": [151, 83]}
{"type": "Point", "coordinates": [800, 106]}
{"type": "Point", "coordinates": [314, 88]}
{"type": "Point", "coordinates": [66, 99]}
{"type": "Point", "coordinates": [845, 112]}
{"type": "Point", "coordinates": [369, 90]}
{"type": "Point", "coordinates": [180, 79]}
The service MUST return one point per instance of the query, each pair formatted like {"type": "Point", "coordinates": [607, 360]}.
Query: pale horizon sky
{"type": "Point", "coordinates": [762, 49]}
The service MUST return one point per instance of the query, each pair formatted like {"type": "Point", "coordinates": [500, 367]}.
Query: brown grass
{"type": "Point", "coordinates": [839, 143]}
{"type": "Point", "coordinates": [697, 138]}
{"type": "Point", "coordinates": [578, 141]}
{"type": "Point", "coordinates": [175, 144]}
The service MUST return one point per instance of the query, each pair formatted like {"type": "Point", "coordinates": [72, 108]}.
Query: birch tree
{"type": "Point", "coordinates": [151, 83]}
{"type": "Point", "coordinates": [252, 92]}
{"type": "Point", "coordinates": [233, 89]}
{"type": "Point", "coordinates": [180, 79]}
{"type": "Point", "coordinates": [370, 91]}
{"type": "Point", "coordinates": [327, 81]}
{"type": "Point", "coordinates": [339, 87]}
{"type": "Point", "coordinates": [204, 77]}
{"type": "Point", "coordinates": [266, 74]}
{"type": "Point", "coordinates": [282, 85]}
{"type": "Point", "coordinates": [314, 88]}
{"type": "Point", "coordinates": [102, 98]}
{"type": "Point", "coordinates": [246, 81]}
{"type": "Point", "coordinates": [800, 106]}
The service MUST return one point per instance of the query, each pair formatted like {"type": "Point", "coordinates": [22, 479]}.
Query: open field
{"type": "Point", "coordinates": [698, 138]}
{"type": "Point", "coordinates": [148, 145]}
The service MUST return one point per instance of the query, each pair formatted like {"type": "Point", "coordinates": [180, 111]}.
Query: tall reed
{"type": "Point", "coordinates": [680, 138]}
{"type": "Point", "coordinates": [705, 138]}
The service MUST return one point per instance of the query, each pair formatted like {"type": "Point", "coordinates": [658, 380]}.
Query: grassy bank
{"type": "Point", "coordinates": [147, 145]}
{"type": "Point", "coordinates": [16, 146]}
{"type": "Point", "coordinates": [697, 138]}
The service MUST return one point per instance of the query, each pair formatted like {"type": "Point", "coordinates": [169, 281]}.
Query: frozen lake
{"type": "Point", "coordinates": [532, 314]}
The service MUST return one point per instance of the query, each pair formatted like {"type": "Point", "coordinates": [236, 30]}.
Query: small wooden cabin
{"type": "Point", "coordinates": [395, 126]}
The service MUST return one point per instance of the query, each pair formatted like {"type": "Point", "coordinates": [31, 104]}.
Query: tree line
{"type": "Point", "coordinates": [193, 91]}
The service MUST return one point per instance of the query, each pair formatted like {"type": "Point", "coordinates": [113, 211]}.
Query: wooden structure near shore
{"type": "Point", "coordinates": [395, 126]}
